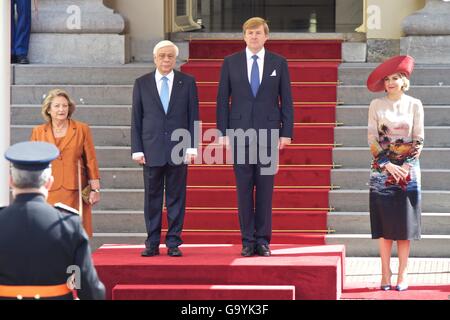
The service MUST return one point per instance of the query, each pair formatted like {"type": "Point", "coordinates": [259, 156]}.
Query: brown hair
{"type": "Point", "coordinates": [254, 23]}
{"type": "Point", "coordinates": [52, 94]}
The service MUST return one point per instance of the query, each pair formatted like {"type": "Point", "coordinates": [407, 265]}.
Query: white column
{"type": "Point", "coordinates": [5, 106]}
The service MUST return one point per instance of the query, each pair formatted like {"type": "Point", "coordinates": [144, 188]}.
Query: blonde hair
{"type": "Point", "coordinates": [254, 23]}
{"type": "Point", "coordinates": [52, 94]}
{"type": "Point", "coordinates": [406, 83]}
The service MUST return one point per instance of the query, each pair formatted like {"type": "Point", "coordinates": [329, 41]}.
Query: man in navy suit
{"type": "Point", "coordinates": [164, 101]}
{"type": "Point", "coordinates": [257, 81]}
{"type": "Point", "coordinates": [20, 31]}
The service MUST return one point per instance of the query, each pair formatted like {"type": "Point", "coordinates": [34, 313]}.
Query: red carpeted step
{"type": "Point", "coordinates": [316, 272]}
{"type": "Point", "coordinates": [209, 71]}
{"type": "Point", "coordinates": [290, 49]}
{"type": "Point", "coordinates": [282, 198]}
{"type": "Point", "coordinates": [320, 113]}
{"type": "Point", "coordinates": [207, 92]}
{"type": "Point", "coordinates": [202, 292]}
{"type": "Point", "coordinates": [303, 134]}
{"type": "Point", "coordinates": [286, 176]}
{"type": "Point", "coordinates": [228, 220]}
{"type": "Point", "coordinates": [292, 155]}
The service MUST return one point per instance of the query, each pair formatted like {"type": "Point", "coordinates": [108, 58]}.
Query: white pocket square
{"type": "Point", "coordinates": [274, 73]}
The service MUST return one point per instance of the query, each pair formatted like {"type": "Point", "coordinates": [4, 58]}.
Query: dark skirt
{"type": "Point", "coordinates": [395, 213]}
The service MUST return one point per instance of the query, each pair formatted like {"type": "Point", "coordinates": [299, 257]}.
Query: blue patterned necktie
{"type": "Point", "coordinates": [254, 76]}
{"type": "Point", "coordinates": [164, 95]}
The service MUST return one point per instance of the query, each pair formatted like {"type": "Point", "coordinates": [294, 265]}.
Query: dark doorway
{"type": "Point", "coordinates": [283, 15]}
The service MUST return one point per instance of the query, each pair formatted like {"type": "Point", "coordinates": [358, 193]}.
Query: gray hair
{"type": "Point", "coordinates": [165, 43]}
{"type": "Point", "coordinates": [24, 179]}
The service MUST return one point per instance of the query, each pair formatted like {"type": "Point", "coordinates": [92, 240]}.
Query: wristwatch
{"type": "Point", "coordinates": [95, 190]}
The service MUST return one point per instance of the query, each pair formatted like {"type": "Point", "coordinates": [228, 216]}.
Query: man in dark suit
{"type": "Point", "coordinates": [257, 81]}
{"type": "Point", "coordinates": [164, 102]}
{"type": "Point", "coordinates": [41, 246]}
{"type": "Point", "coordinates": [20, 30]}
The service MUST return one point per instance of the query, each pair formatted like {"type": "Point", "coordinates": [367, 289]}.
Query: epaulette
{"type": "Point", "coordinates": [65, 208]}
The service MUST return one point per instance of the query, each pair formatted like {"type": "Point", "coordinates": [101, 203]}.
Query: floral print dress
{"type": "Point", "coordinates": [396, 135]}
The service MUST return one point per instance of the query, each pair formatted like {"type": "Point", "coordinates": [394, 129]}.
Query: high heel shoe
{"type": "Point", "coordinates": [401, 287]}
{"type": "Point", "coordinates": [402, 283]}
{"type": "Point", "coordinates": [386, 287]}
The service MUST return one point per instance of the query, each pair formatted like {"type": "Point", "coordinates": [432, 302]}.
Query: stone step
{"type": "Point", "coordinates": [358, 157]}
{"type": "Point", "coordinates": [359, 95]}
{"type": "Point", "coordinates": [358, 179]}
{"type": "Point", "coordinates": [358, 200]}
{"type": "Point", "coordinates": [340, 222]}
{"type": "Point", "coordinates": [346, 179]}
{"type": "Point", "coordinates": [357, 74]}
{"type": "Point", "coordinates": [357, 245]}
{"type": "Point", "coordinates": [81, 94]}
{"type": "Point", "coordinates": [357, 115]}
{"type": "Point", "coordinates": [362, 245]}
{"type": "Point", "coordinates": [99, 115]}
{"type": "Point", "coordinates": [41, 74]}
{"type": "Point", "coordinates": [435, 137]}
{"type": "Point", "coordinates": [359, 223]}
{"type": "Point", "coordinates": [103, 136]}
{"type": "Point", "coordinates": [431, 158]}
{"type": "Point", "coordinates": [345, 136]}
{"type": "Point", "coordinates": [340, 200]}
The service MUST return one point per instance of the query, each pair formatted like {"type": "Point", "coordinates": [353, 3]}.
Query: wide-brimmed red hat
{"type": "Point", "coordinates": [397, 64]}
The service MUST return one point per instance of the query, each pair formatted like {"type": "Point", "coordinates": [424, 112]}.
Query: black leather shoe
{"type": "Point", "coordinates": [22, 60]}
{"type": "Point", "coordinates": [150, 252]}
{"type": "Point", "coordinates": [174, 252]}
{"type": "Point", "coordinates": [13, 59]}
{"type": "Point", "coordinates": [248, 251]}
{"type": "Point", "coordinates": [263, 250]}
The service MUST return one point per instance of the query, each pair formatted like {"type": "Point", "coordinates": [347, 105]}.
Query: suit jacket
{"type": "Point", "coordinates": [77, 144]}
{"type": "Point", "coordinates": [38, 243]}
{"type": "Point", "coordinates": [152, 128]}
{"type": "Point", "coordinates": [270, 109]}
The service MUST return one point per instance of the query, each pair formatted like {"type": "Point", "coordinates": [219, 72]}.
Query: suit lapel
{"type": "Point", "coordinates": [244, 72]}
{"type": "Point", "coordinates": [176, 86]}
{"type": "Point", "coordinates": [268, 69]}
{"type": "Point", "coordinates": [71, 131]}
{"type": "Point", "coordinates": [49, 134]}
{"type": "Point", "coordinates": [154, 91]}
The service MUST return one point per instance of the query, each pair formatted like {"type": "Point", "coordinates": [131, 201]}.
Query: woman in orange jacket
{"type": "Point", "coordinates": [77, 155]}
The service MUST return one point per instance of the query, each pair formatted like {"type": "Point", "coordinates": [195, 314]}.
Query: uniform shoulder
{"type": "Point", "coordinates": [61, 207]}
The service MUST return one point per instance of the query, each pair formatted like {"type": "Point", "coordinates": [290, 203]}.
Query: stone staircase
{"type": "Point", "coordinates": [350, 218]}
{"type": "Point", "coordinates": [103, 94]}
{"type": "Point", "coordinates": [103, 98]}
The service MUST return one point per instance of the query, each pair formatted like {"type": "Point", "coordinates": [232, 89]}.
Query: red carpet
{"type": "Point", "coordinates": [415, 292]}
{"type": "Point", "coordinates": [316, 50]}
{"type": "Point", "coordinates": [303, 181]}
{"type": "Point", "coordinates": [303, 113]}
{"type": "Point", "coordinates": [316, 272]}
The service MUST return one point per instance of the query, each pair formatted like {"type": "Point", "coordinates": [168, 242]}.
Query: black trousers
{"type": "Point", "coordinates": [172, 179]}
{"type": "Point", "coordinates": [254, 195]}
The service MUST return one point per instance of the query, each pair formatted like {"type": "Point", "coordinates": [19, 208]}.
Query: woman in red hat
{"type": "Point", "coordinates": [395, 136]}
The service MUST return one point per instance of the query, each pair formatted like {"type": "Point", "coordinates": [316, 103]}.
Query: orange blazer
{"type": "Point", "coordinates": [77, 144]}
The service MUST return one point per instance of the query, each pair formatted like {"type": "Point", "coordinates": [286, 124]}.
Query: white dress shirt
{"type": "Point", "coordinates": [159, 82]}
{"type": "Point", "coordinates": [260, 62]}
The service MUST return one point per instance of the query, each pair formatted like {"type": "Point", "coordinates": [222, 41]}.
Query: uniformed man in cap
{"type": "Point", "coordinates": [42, 248]}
